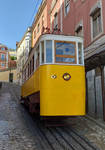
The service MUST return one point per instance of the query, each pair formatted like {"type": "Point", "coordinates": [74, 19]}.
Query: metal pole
{"type": "Point", "coordinates": [86, 92]}
{"type": "Point", "coordinates": [103, 90]}
{"type": "Point", "coordinates": [95, 95]}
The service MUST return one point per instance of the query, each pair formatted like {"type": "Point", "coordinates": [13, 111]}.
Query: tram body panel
{"type": "Point", "coordinates": [31, 85]}
{"type": "Point", "coordinates": [54, 76]}
{"type": "Point", "coordinates": [59, 97]}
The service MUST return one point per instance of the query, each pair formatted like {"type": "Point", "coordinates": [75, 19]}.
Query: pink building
{"type": "Point", "coordinates": [3, 57]}
{"type": "Point", "coordinates": [85, 18]}
{"type": "Point", "coordinates": [41, 21]}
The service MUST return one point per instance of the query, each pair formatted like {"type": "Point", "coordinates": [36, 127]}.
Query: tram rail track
{"type": "Point", "coordinates": [55, 138]}
{"type": "Point", "coordinates": [66, 139]}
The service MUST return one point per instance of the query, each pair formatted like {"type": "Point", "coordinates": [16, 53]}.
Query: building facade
{"type": "Point", "coordinates": [83, 18]}
{"type": "Point", "coordinates": [86, 19]}
{"type": "Point", "coordinates": [23, 48]}
{"type": "Point", "coordinates": [41, 23]}
{"type": "Point", "coordinates": [3, 57]}
{"type": "Point", "coordinates": [12, 53]}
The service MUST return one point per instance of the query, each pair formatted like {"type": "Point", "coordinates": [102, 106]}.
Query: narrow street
{"type": "Point", "coordinates": [21, 131]}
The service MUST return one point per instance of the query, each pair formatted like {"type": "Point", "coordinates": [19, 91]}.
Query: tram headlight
{"type": "Point", "coordinates": [66, 76]}
{"type": "Point", "coordinates": [54, 76]}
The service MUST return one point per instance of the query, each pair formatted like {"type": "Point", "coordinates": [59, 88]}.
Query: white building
{"type": "Point", "coordinates": [23, 48]}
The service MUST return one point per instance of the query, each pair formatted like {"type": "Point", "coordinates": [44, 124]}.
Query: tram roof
{"type": "Point", "coordinates": [60, 37]}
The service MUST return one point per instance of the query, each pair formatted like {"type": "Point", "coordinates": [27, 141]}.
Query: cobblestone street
{"type": "Point", "coordinates": [14, 133]}
{"type": "Point", "coordinates": [18, 131]}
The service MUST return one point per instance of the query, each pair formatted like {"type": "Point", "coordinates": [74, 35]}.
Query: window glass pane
{"type": "Point", "coordinates": [3, 48]}
{"type": "Point", "coordinates": [37, 57]}
{"type": "Point", "coordinates": [97, 24]}
{"type": "Point", "coordinates": [65, 52]}
{"type": "Point", "coordinates": [48, 51]}
{"type": "Point", "coordinates": [67, 6]}
{"type": "Point", "coordinates": [80, 53]}
{"type": "Point", "coordinates": [42, 47]}
{"type": "Point", "coordinates": [62, 59]}
{"type": "Point", "coordinates": [3, 65]}
{"type": "Point", "coordinates": [94, 27]}
{"type": "Point", "coordinates": [65, 48]}
{"type": "Point", "coordinates": [3, 57]}
{"type": "Point", "coordinates": [56, 21]}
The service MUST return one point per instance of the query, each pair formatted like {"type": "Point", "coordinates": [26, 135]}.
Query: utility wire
{"type": "Point", "coordinates": [34, 12]}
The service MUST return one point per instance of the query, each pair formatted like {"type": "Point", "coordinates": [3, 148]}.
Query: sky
{"type": "Point", "coordinates": [15, 17]}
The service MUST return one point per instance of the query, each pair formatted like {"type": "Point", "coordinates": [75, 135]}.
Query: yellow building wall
{"type": "Point", "coordinates": [4, 76]}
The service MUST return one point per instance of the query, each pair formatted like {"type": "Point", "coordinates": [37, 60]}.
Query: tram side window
{"type": "Point", "coordinates": [23, 77]}
{"type": "Point", "coordinates": [28, 70]}
{"type": "Point", "coordinates": [42, 51]}
{"type": "Point", "coordinates": [37, 57]}
{"type": "Point", "coordinates": [65, 52]}
{"type": "Point", "coordinates": [48, 51]}
{"type": "Point", "coordinates": [80, 53]}
{"type": "Point", "coordinates": [30, 67]}
{"type": "Point", "coordinates": [33, 63]}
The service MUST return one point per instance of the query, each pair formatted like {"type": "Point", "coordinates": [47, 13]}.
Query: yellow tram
{"type": "Point", "coordinates": [54, 77]}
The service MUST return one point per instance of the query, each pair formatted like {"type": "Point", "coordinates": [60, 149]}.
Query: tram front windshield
{"type": "Point", "coordinates": [65, 52]}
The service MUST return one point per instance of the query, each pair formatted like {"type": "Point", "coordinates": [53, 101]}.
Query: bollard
{"type": "Point", "coordinates": [10, 77]}
{"type": "Point", "coordinates": [0, 84]}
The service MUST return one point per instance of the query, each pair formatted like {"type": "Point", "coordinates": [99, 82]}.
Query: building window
{"type": "Point", "coordinates": [38, 28]}
{"type": "Point", "coordinates": [34, 34]}
{"type": "Point", "coordinates": [2, 48]}
{"type": "Point", "coordinates": [42, 21]}
{"type": "Point", "coordinates": [33, 63]}
{"type": "Point", "coordinates": [79, 31]}
{"type": "Point", "coordinates": [56, 21]}
{"type": "Point", "coordinates": [97, 23]}
{"type": "Point", "coordinates": [2, 56]}
{"type": "Point", "coordinates": [67, 6]}
{"type": "Point", "coordinates": [53, 4]}
{"type": "Point", "coordinates": [2, 65]}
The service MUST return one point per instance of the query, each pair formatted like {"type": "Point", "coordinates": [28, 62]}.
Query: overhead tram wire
{"type": "Point", "coordinates": [35, 11]}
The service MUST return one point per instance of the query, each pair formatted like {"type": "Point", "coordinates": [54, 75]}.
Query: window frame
{"type": "Point", "coordinates": [65, 56]}
{"type": "Point", "coordinates": [4, 57]}
{"type": "Point", "coordinates": [3, 48]}
{"type": "Point", "coordinates": [38, 27]}
{"type": "Point", "coordinates": [66, 4]}
{"type": "Point", "coordinates": [95, 17]}
{"type": "Point", "coordinates": [94, 9]}
{"type": "Point", "coordinates": [51, 50]}
{"type": "Point", "coordinates": [79, 30]}
{"type": "Point", "coordinates": [42, 21]}
{"type": "Point", "coordinates": [56, 20]}
{"type": "Point", "coordinates": [34, 33]}
{"type": "Point", "coordinates": [3, 64]}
